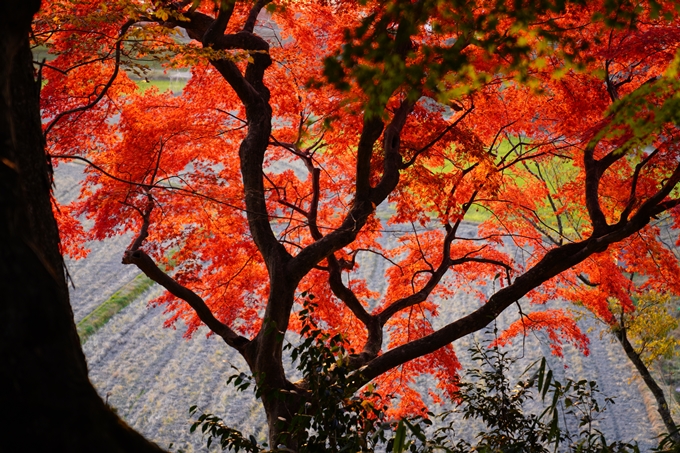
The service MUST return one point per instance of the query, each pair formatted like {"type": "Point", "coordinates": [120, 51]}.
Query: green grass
{"type": "Point", "coordinates": [175, 86]}
{"type": "Point", "coordinates": [119, 300]}
{"type": "Point", "coordinates": [477, 214]}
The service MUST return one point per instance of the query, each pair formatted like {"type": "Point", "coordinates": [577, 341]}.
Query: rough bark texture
{"type": "Point", "coordinates": [48, 401]}
{"type": "Point", "coordinates": [662, 404]}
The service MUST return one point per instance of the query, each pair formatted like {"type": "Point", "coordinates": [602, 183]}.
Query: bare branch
{"type": "Point", "coordinates": [148, 186]}
{"type": "Point", "coordinates": [586, 281]}
{"type": "Point", "coordinates": [249, 26]}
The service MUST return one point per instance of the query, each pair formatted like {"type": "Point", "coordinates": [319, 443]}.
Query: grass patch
{"type": "Point", "coordinates": [477, 214]}
{"type": "Point", "coordinates": [119, 300]}
{"type": "Point", "coordinates": [176, 86]}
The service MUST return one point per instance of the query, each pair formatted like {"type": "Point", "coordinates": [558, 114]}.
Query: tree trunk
{"type": "Point", "coordinates": [280, 412]}
{"type": "Point", "coordinates": [281, 398]}
{"type": "Point", "coordinates": [662, 405]}
{"type": "Point", "coordinates": [47, 399]}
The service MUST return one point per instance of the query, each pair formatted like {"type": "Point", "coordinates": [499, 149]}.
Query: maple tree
{"type": "Point", "coordinates": [311, 130]}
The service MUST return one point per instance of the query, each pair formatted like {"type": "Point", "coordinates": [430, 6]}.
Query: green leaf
{"type": "Point", "coordinates": [541, 374]}
{"type": "Point", "coordinates": [399, 438]}
{"type": "Point", "coordinates": [548, 379]}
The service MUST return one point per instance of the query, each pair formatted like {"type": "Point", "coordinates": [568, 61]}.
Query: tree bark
{"type": "Point", "coordinates": [47, 399]}
{"type": "Point", "coordinates": [662, 404]}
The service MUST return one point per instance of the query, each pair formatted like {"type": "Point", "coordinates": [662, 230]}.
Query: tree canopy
{"type": "Point", "coordinates": [310, 131]}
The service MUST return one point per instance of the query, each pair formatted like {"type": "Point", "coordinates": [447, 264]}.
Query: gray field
{"type": "Point", "coordinates": [152, 374]}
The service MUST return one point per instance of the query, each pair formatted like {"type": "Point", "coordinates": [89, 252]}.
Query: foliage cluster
{"type": "Point", "coordinates": [651, 326]}
{"type": "Point", "coordinates": [267, 180]}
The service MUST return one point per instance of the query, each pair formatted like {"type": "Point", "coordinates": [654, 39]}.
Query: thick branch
{"type": "Point", "coordinates": [593, 175]}
{"type": "Point", "coordinates": [655, 205]}
{"type": "Point", "coordinates": [612, 89]}
{"type": "Point", "coordinates": [314, 204]}
{"type": "Point", "coordinates": [553, 263]}
{"type": "Point", "coordinates": [146, 220]}
{"type": "Point", "coordinates": [665, 206]}
{"type": "Point", "coordinates": [342, 292]}
{"type": "Point", "coordinates": [359, 212]}
{"type": "Point", "coordinates": [255, 96]}
{"type": "Point", "coordinates": [219, 25]}
{"type": "Point", "coordinates": [608, 160]}
{"type": "Point", "coordinates": [373, 127]}
{"type": "Point", "coordinates": [264, 352]}
{"type": "Point", "coordinates": [249, 26]}
{"type": "Point", "coordinates": [366, 198]}
{"type": "Point", "coordinates": [393, 161]}
{"type": "Point", "coordinates": [144, 262]}
{"type": "Point", "coordinates": [200, 24]}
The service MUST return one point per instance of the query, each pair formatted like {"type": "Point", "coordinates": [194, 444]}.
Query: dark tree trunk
{"type": "Point", "coordinates": [662, 405]}
{"type": "Point", "coordinates": [47, 400]}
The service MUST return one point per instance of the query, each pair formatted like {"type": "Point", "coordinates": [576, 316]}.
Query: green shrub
{"type": "Point", "coordinates": [331, 420]}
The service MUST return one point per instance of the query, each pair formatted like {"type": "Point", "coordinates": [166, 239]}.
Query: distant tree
{"type": "Point", "coordinates": [309, 130]}
{"type": "Point", "coordinates": [646, 336]}
{"type": "Point", "coordinates": [48, 403]}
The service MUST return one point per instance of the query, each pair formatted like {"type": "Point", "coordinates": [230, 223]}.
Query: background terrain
{"type": "Point", "coordinates": [151, 375]}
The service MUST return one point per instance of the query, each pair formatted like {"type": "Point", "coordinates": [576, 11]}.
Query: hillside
{"type": "Point", "coordinates": [152, 375]}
